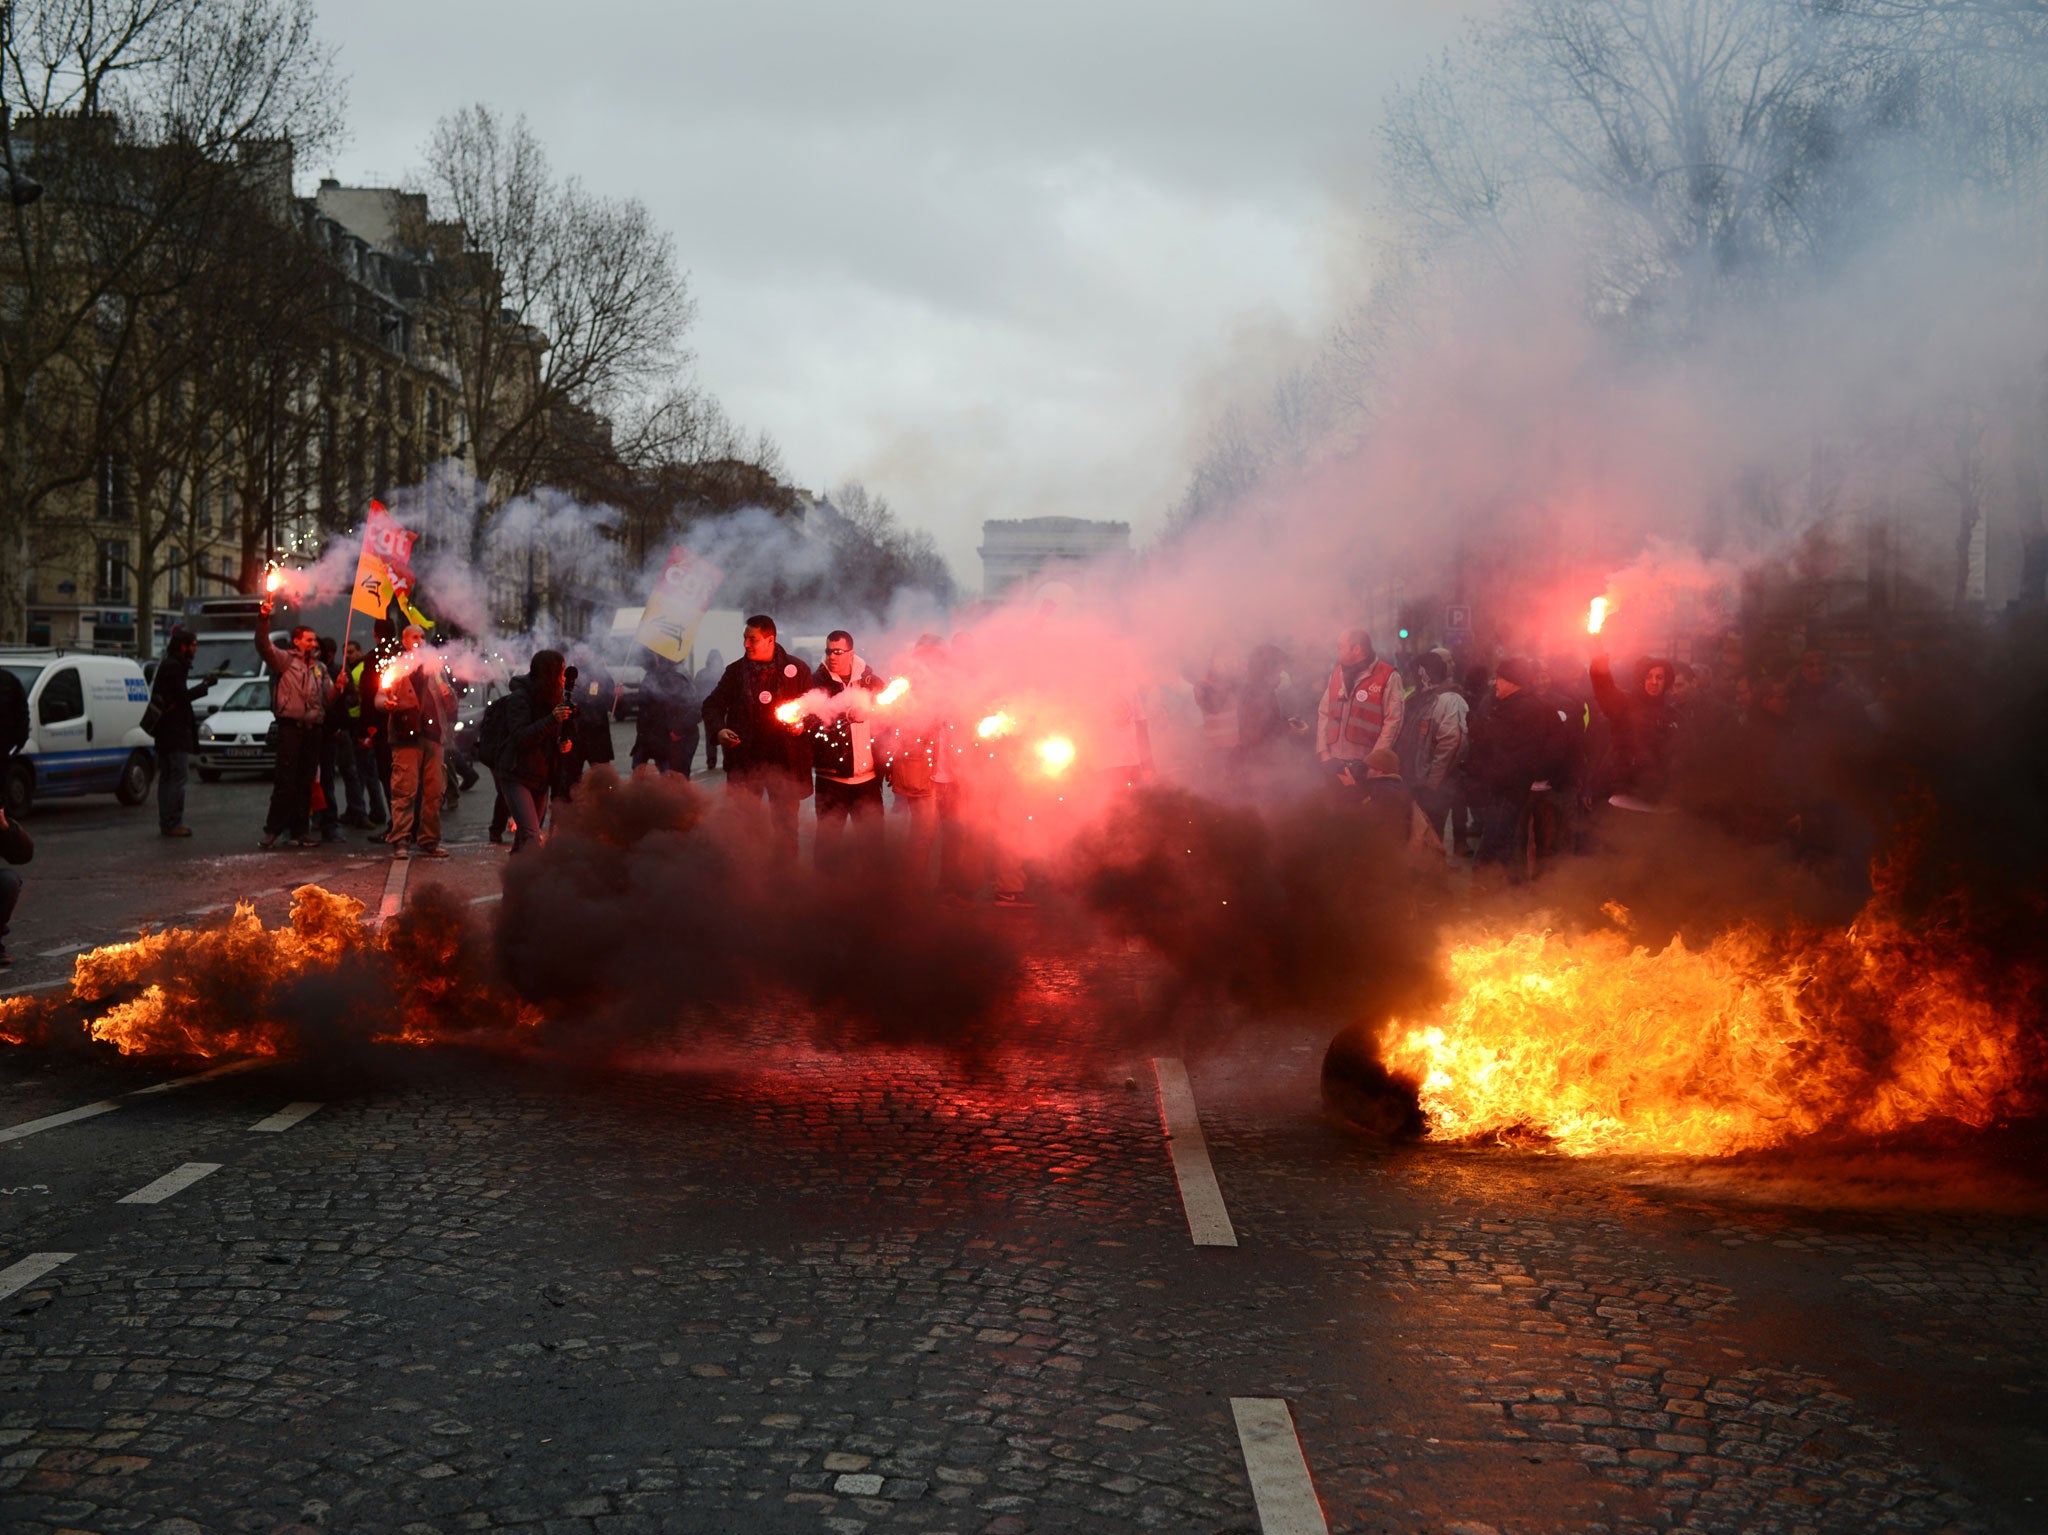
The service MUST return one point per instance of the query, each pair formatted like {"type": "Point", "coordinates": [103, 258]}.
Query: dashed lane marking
{"type": "Point", "coordinates": [176, 1181]}
{"type": "Point", "coordinates": [394, 889]}
{"type": "Point", "coordinates": [1281, 1486]}
{"type": "Point", "coordinates": [108, 1105]}
{"type": "Point", "coordinates": [69, 948]}
{"type": "Point", "coordinates": [485, 900]}
{"type": "Point", "coordinates": [286, 1117]}
{"type": "Point", "coordinates": [1200, 1197]}
{"type": "Point", "coordinates": [19, 1276]}
{"type": "Point", "coordinates": [52, 1121]}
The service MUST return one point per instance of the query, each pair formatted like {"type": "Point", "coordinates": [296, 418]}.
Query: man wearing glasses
{"type": "Point", "coordinates": [843, 753]}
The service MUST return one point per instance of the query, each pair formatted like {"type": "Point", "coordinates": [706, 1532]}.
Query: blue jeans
{"type": "Point", "coordinates": [528, 807]}
{"type": "Point", "coordinates": [366, 787]}
{"type": "Point", "coordinates": [170, 788]}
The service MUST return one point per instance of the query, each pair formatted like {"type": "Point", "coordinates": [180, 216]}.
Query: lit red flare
{"type": "Point", "coordinates": [791, 713]}
{"type": "Point", "coordinates": [993, 725]}
{"type": "Point", "coordinates": [273, 580]}
{"type": "Point", "coordinates": [897, 687]}
{"type": "Point", "coordinates": [1056, 753]}
{"type": "Point", "coordinates": [1596, 615]}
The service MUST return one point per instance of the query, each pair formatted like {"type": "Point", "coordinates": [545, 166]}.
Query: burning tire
{"type": "Point", "coordinates": [1366, 1096]}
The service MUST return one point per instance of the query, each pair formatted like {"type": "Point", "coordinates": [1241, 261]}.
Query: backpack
{"type": "Point", "coordinates": [495, 733]}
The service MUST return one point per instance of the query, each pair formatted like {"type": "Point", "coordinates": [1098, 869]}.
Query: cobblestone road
{"type": "Point", "coordinates": [776, 1290]}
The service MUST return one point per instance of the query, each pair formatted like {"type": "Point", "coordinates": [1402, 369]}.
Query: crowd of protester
{"type": "Point", "coordinates": [1524, 759]}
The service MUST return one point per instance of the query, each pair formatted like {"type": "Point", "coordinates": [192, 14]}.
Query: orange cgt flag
{"type": "Point", "coordinates": [386, 546]}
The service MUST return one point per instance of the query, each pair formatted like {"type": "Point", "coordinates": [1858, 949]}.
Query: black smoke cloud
{"type": "Point", "coordinates": [655, 915]}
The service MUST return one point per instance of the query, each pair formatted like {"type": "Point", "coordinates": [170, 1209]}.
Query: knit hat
{"type": "Point", "coordinates": [1381, 760]}
{"type": "Point", "coordinates": [1516, 670]}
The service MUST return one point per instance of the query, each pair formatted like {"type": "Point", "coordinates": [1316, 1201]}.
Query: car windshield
{"type": "Point", "coordinates": [234, 654]}
{"type": "Point", "coordinates": [250, 695]}
{"type": "Point", "coordinates": [26, 675]}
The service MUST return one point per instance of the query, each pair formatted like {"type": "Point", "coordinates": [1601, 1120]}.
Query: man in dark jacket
{"type": "Point", "coordinates": [665, 731]}
{"type": "Point", "coordinates": [765, 757]}
{"type": "Point", "coordinates": [532, 735]}
{"type": "Point", "coordinates": [849, 782]}
{"type": "Point", "coordinates": [15, 848]}
{"type": "Point", "coordinates": [177, 728]}
{"type": "Point", "coordinates": [1518, 741]}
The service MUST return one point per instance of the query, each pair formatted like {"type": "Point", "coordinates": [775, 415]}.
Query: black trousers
{"type": "Point", "coordinates": [291, 790]}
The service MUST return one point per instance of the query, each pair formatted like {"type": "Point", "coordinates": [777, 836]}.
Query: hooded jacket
{"type": "Point", "coordinates": [533, 737]}
{"type": "Point", "coordinates": [843, 747]}
{"type": "Point", "coordinates": [745, 702]}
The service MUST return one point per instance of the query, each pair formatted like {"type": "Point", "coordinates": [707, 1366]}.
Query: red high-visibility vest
{"type": "Point", "coordinates": [1361, 712]}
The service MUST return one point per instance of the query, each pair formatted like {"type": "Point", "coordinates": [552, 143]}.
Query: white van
{"type": "Point", "coordinates": [84, 729]}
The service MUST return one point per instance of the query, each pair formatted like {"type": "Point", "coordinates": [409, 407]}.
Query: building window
{"type": "Point", "coordinates": [434, 412]}
{"type": "Point", "coordinates": [384, 391]}
{"type": "Point", "coordinates": [383, 461]}
{"type": "Point", "coordinates": [112, 582]}
{"type": "Point", "coordinates": [174, 580]}
{"type": "Point", "coordinates": [358, 377]}
{"type": "Point", "coordinates": [405, 415]}
{"type": "Point", "coordinates": [113, 502]}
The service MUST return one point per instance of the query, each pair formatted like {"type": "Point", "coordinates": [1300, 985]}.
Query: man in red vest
{"type": "Point", "coordinates": [1360, 709]}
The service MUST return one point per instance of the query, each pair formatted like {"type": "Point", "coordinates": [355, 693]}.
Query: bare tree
{"type": "Point", "coordinates": [557, 304]}
{"type": "Point", "coordinates": [134, 116]}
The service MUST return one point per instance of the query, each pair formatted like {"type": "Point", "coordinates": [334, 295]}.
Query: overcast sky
{"type": "Point", "coordinates": [994, 261]}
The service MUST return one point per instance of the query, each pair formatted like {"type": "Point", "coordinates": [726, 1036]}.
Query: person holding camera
{"type": "Point", "coordinates": [524, 734]}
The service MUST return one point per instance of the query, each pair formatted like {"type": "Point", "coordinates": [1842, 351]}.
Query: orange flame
{"type": "Point", "coordinates": [791, 713]}
{"type": "Point", "coordinates": [1596, 1044]}
{"type": "Point", "coordinates": [273, 580]}
{"type": "Point", "coordinates": [1596, 615]}
{"type": "Point", "coordinates": [897, 687]}
{"type": "Point", "coordinates": [234, 990]}
{"type": "Point", "coordinates": [997, 724]}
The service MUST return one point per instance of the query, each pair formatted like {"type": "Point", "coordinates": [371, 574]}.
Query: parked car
{"type": "Point", "coordinates": [240, 735]}
{"type": "Point", "coordinates": [84, 729]}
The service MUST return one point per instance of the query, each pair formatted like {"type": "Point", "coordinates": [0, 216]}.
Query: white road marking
{"type": "Point", "coordinates": [287, 1116]}
{"type": "Point", "coordinates": [1208, 1220]}
{"type": "Point", "coordinates": [69, 948]}
{"type": "Point", "coordinates": [175, 1181]}
{"type": "Point", "coordinates": [1281, 1486]}
{"type": "Point", "coordinates": [52, 1121]}
{"type": "Point", "coordinates": [19, 1276]}
{"type": "Point", "coordinates": [108, 1105]}
{"type": "Point", "coordinates": [485, 900]}
{"type": "Point", "coordinates": [394, 889]}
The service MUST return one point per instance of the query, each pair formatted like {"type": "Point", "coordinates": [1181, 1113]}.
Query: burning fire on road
{"type": "Point", "coordinates": [1594, 1043]}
